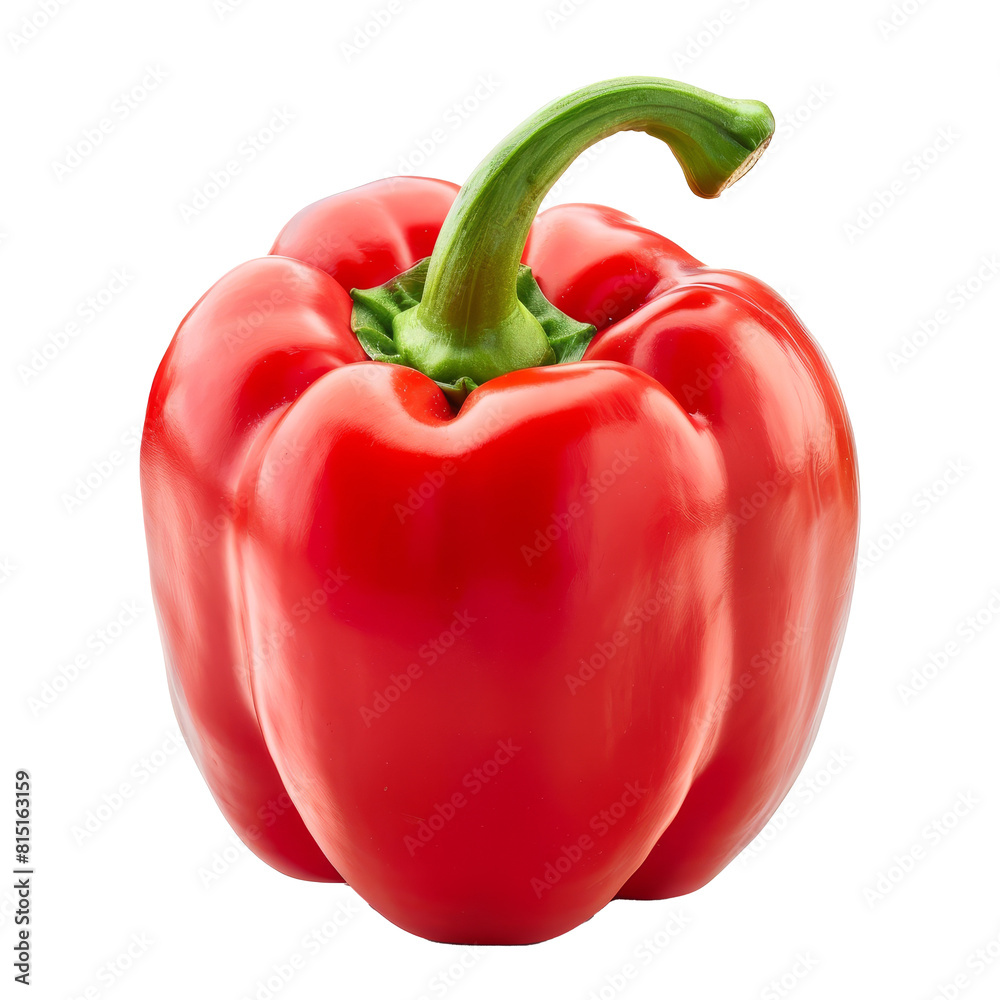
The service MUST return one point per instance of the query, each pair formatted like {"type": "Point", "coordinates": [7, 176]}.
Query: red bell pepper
{"type": "Point", "coordinates": [496, 590]}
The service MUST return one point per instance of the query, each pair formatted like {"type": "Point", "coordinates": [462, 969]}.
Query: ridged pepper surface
{"type": "Point", "coordinates": [499, 591]}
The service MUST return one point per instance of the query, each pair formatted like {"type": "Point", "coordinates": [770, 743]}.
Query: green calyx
{"type": "Point", "coordinates": [471, 311]}
{"type": "Point", "coordinates": [379, 311]}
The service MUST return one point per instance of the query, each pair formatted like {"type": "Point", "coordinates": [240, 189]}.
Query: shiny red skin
{"type": "Point", "coordinates": [682, 503]}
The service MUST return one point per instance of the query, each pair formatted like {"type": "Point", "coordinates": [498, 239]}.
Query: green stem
{"type": "Point", "coordinates": [469, 321]}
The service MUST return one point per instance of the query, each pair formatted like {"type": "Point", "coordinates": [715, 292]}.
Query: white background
{"type": "Point", "coordinates": [881, 93]}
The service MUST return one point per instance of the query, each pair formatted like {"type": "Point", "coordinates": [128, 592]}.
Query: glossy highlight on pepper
{"type": "Point", "coordinates": [502, 559]}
